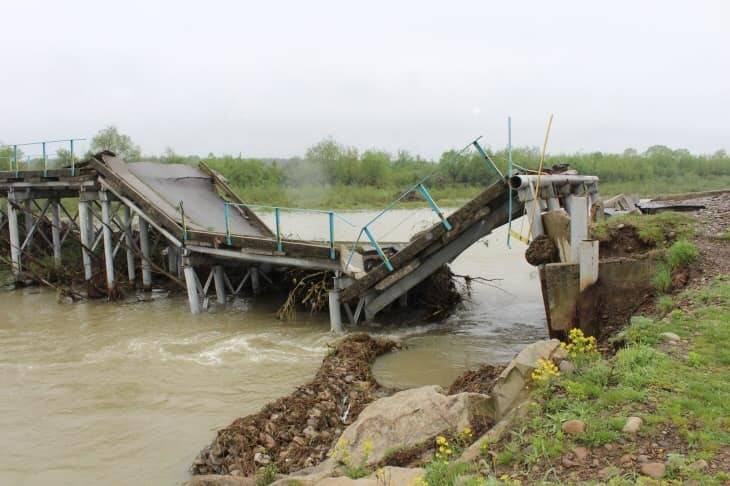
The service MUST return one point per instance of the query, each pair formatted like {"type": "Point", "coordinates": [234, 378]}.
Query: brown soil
{"type": "Point", "coordinates": [298, 430]}
{"type": "Point", "coordinates": [437, 295]}
{"type": "Point", "coordinates": [480, 380]}
{"type": "Point", "coordinates": [623, 241]}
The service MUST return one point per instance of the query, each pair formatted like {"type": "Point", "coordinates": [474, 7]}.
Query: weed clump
{"type": "Point", "coordinates": [681, 254]}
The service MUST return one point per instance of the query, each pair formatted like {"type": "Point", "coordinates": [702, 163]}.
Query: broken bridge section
{"type": "Point", "coordinates": [429, 251]}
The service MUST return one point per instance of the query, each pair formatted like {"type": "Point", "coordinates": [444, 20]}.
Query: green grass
{"type": "Point", "coordinates": [688, 390]}
{"type": "Point", "coordinates": [662, 279]}
{"type": "Point", "coordinates": [658, 230]}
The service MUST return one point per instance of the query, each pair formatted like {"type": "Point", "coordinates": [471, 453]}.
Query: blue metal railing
{"type": "Point", "coordinates": [331, 216]}
{"type": "Point", "coordinates": [15, 162]}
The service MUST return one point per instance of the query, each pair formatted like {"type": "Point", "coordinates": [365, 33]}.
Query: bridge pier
{"type": "Point", "coordinates": [191, 283]}
{"type": "Point", "coordinates": [334, 308]}
{"type": "Point", "coordinates": [14, 235]}
{"type": "Point", "coordinates": [255, 280]}
{"type": "Point", "coordinates": [56, 230]}
{"type": "Point", "coordinates": [144, 244]}
{"type": "Point", "coordinates": [86, 236]}
{"type": "Point", "coordinates": [108, 240]}
{"type": "Point", "coordinates": [220, 285]}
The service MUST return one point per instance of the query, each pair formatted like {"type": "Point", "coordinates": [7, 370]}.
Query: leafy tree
{"type": "Point", "coordinates": [122, 145]}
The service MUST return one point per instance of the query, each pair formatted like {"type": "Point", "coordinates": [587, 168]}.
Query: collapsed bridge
{"type": "Point", "coordinates": [148, 212]}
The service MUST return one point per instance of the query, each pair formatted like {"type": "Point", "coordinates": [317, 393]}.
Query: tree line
{"type": "Point", "coordinates": [330, 163]}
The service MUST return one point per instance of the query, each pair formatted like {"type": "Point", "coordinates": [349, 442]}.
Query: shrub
{"type": "Point", "coordinates": [681, 254]}
{"type": "Point", "coordinates": [662, 279]}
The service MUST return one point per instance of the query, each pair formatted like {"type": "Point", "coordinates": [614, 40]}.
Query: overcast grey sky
{"type": "Point", "coordinates": [272, 78]}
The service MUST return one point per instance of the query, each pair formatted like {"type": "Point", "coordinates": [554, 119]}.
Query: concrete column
{"type": "Point", "coordinates": [255, 281]}
{"type": "Point", "coordinates": [144, 243]}
{"type": "Point", "coordinates": [14, 236]}
{"type": "Point", "coordinates": [578, 225]}
{"type": "Point", "coordinates": [192, 286]}
{"type": "Point", "coordinates": [220, 284]}
{"type": "Point", "coordinates": [335, 311]}
{"type": "Point", "coordinates": [108, 240]}
{"type": "Point", "coordinates": [86, 236]}
{"type": "Point", "coordinates": [588, 263]}
{"type": "Point", "coordinates": [56, 231]}
{"type": "Point", "coordinates": [129, 239]}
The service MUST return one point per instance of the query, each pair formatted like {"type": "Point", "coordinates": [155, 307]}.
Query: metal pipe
{"type": "Point", "coordinates": [333, 254]}
{"type": "Point", "coordinates": [277, 217]}
{"type": "Point", "coordinates": [382, 255]}
{"type": "Point", "coordinates": [424, 192]}
{"type": "Point", "coordinates": [522, 181]}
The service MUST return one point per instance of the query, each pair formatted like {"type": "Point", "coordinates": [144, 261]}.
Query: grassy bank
{"type": "Point", "coordinates": [671, 372]}
{"type": "Point", "coordinates": [678, 388]}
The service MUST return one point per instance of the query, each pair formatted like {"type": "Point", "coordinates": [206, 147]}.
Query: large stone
{"type": "Point", "coordinates": [670, 337]}
{"type": "Point", "coordinates": [511, 385]}
{"type": "Point", "coordinates": [654, 470]}
{"type": "Point", "coordinates": [632, 426]}
{"type": "Point", "coordinates": [574, 427]}
{"type": "Point", "coordinates": [217, 480]}
{"type": "Point", "coordinates": [384, 476]}
{"type": "Point", "coordinates": [407, 419]}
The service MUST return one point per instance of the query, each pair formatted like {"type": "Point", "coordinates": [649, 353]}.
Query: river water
{"type": "Point", "coordinates": [101, 393]}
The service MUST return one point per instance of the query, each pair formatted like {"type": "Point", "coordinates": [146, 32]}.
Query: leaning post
{"type": "Point", "coordinates": [191, 282]}
{"type": "Point", "coordinates": [220, 284]}
{"type": "Point", "coordinates": [86, 236]}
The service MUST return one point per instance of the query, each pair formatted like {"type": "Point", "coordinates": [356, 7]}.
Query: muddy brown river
{"type": "Point", "coordinates": [100, 393]}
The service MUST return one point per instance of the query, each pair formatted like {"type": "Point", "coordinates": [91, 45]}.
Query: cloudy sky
{"type": "Point", "coordinates": [272, 78]}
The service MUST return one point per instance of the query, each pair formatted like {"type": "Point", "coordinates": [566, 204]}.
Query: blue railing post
{"type": "Point", "coordinates": [228, 228]}
{"type": "Point", "coordinates": [73, 166]}
{"type": "Point", "coordinates": [487, 158]}
{"type": "Point", "coordinates": [332, 235]}
{"type": "Point", "coordinates": [434, 206]}
{"type": "Point", "coordinates": [45, 161]}
{"type": "Point", "coordinates": [277, 217]}
{"type": "Point", "coordinates": [383, 257]}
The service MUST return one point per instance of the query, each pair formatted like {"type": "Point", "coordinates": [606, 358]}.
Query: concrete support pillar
{"type": "Point", "coordinates": [534, 213]}
{"type": "Point", "coordinates": [56, 230]}
{"type": "Point", "coordinates": [108, 240]}
{"type": "Point", "coordinates": [86, 237]}
{"type": "Point", "coordinates": [14, 236]}
{"type": "Point", "coordinates": [129, 240]}
{"type": "Point", "coordinates": [335, 310]}
{"type": "Point", "coordinates": [255, 281]}
{"type": "Point", "coordinates": [588, 263]}
{"type": "Point", "coordinates": [578, 225]}
{"type": "Point", "coordinates": [192, 286]}
{"type": "Point", "coordinates": [220, 284]}
{"type": "Point", "coordinates": [144, 244]}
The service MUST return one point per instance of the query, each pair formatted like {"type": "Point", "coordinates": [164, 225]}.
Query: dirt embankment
{"type": "Point", "coordinates": [298, 430]}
